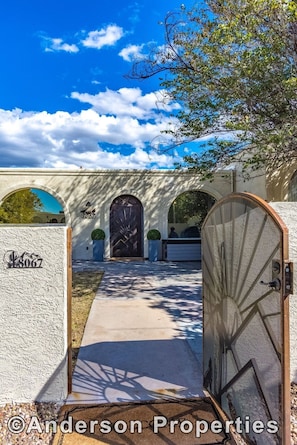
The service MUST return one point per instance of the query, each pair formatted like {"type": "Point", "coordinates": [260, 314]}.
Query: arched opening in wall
{"type": "Point", "coordinates": [292, 191]}
{"type": "Point", "coordinates": [126, 227]}
{"type": "Point", "coordinates": [31, 206]}
{"type": "Point", "coordinates": [187, 213]}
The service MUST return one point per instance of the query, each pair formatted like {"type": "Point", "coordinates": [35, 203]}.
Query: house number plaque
{"type": "Point", "coordinates": [25, 260]}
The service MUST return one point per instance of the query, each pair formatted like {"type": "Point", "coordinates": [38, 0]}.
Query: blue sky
{"type": "Point", "coordinates": [64, 98]}
{"type": "Point", "coordinates": [50, 203]}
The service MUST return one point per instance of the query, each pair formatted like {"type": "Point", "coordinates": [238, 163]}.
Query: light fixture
{"type": "Point", "coordinates": [87, 212]}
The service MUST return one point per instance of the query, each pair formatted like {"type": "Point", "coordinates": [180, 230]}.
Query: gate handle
{"type": "Point", "coordinates": [275, 284]}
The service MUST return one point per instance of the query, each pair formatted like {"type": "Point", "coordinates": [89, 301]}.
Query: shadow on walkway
{"type": "Point", "coordinates": [137, 370]}
{"type": "Point", "coordinates": [143, 338]}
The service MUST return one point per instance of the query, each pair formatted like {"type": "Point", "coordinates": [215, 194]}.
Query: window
{"type": "Point", "coordinates": [187, 213]}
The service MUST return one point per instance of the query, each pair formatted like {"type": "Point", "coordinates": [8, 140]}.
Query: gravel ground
{"type": "Point", "coordinates": [37, 435]}
{"type": "Point", "coordinates": [294, 414]}
{"type": "Point", "coordinates": [49, 411]}
{"type": "Point", "coordinates": [26, 411]}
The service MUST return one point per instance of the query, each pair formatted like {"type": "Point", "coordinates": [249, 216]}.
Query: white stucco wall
{"type": "Point", "coordinates": [288, 212]}
{"type": "Point", "coordinates": [255, 182]}
{"type": "Point", "coordinates": [156, 190]}
{"type": "Point", "coordinates": [33, 314]}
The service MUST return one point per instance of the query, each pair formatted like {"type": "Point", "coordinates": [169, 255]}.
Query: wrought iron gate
{"type": "Point", "coordinates": [245, 287]}
{"type": "Point", "coordinates": [126, 227]}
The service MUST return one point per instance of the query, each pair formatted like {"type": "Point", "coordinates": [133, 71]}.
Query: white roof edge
{"type": "Point", "coordinates": [54, 171]}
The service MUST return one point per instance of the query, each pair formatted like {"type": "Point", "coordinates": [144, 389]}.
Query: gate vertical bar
{"type": "Point", "coordinates": [286, 349]}
{"type": "Point", "coordinates": [69, 307]}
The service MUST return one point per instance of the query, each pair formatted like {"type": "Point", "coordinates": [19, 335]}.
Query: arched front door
{"type": "Point", "coordinates": [126, 231]}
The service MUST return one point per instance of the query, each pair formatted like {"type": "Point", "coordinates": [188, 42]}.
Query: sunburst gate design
{"type": "Point", "coordinates": [243, 249]}
{"type": "Point", "coordinates": [126, 227]}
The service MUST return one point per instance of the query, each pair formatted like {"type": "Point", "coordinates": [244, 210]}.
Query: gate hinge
{"type": "Point", "coordinates": [288, 278]}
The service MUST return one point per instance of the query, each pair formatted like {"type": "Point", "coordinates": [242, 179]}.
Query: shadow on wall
{"type": "Point", "coordinates": [87, 197]}
{"type": "Point", "coordinates": [101, 199]}
{"type": "Point", "coordinates": [97, 194]}
{"type": "Point", "coordinates": [60, 375]}
{"type": "Point", "coordinates": [281, 184]}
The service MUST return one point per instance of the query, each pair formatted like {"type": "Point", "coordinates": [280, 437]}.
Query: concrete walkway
{"type": "Point", "coordinates": [143, 338]}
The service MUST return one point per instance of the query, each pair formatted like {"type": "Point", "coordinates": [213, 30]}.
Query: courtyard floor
{"type": "Point", "coordinates": [143, 338]}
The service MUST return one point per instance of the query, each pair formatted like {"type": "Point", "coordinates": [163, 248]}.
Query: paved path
{"type": "Point", "coordinates": [143, 336]}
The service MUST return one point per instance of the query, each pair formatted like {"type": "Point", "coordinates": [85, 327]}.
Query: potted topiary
{"type": "Point", "coordinates": [154, 237]}
{"type": "Point", "coordinates": [98, 237]}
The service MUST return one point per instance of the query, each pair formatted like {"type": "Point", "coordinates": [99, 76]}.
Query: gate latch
{"type": "Point", "coordinates": [288, 278]}
{"type": "Point", "coordinates": [275, 284]}
{"type": "Point", "coordinates": [278, 277]}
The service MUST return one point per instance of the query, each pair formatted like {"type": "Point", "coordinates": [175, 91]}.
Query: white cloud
{"type": "Point", "coordinates": [139, 159]}
{"type": "Point", "coordinates": [97, 39]}
{"type": "Point", "coordinates": [149, 50]}
{"type": "Point", "coordinates": [104, 37]}
{"type": "Point", "coordinates": [128, 102]}
{"type": "Point", "coordinates": [64, 140]}
{"type": "Point", "coordinates": [132, 52]}
{"type": "Point", "coordinates": [56, 44]}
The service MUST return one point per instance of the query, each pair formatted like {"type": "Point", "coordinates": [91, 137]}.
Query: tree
{"type": "Point", "coordinates": [189, 205]}
{"type": "Point", "coordinates": [233, 68]}
{"type": "Point", "coordinates": [20, 207]}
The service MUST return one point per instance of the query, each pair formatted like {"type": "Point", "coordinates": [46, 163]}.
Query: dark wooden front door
{"type": "Point", "coordinates": [126, 227]}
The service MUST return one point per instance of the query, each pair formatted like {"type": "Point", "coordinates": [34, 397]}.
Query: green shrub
{"type": "Point", "coordinates": [98, 234]}
{"type": "Point", "coordinates": [153, 234]}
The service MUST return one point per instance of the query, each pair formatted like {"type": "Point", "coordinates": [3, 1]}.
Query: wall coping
{"type": "Point", "coordinates": [42, 226]}
{"type": "Point", "coordinates": [103, 172]}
